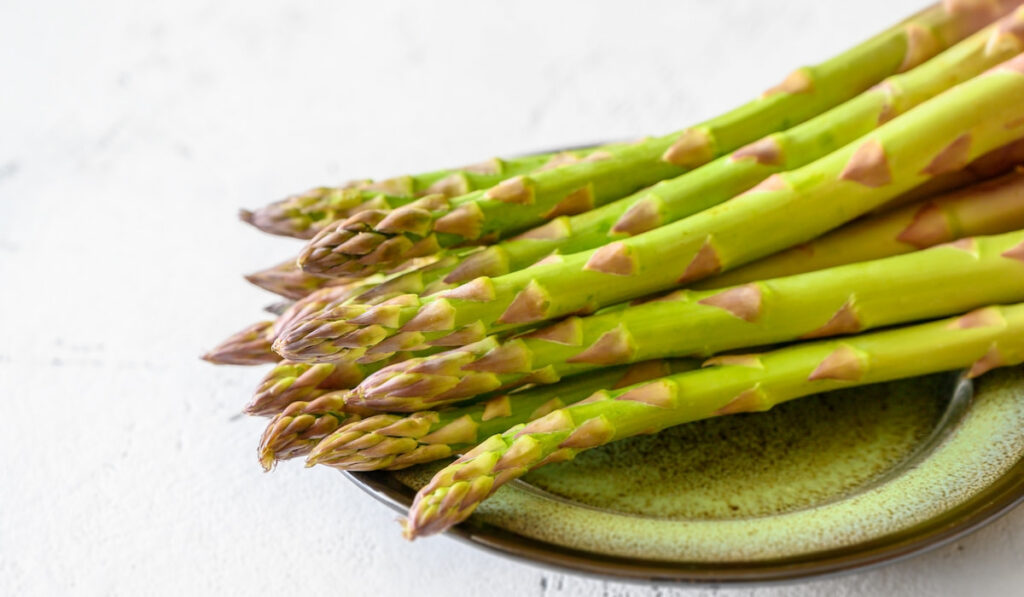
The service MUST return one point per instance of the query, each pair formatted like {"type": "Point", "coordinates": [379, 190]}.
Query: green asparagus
{"type": "Point", "coordinates": [392, 442]}
{"type": "Point", "coordinates": [291, 382]}
{"type": "Point", "coordinates": [990, 207]}
{"type": "Point", "coordinates": [980, 340]}
{"type": "Point", "coordinates": [941, 135]}
{"type": "Point", "coordinates": [250, 346]}
{"type": "Point", "coordinates": [301, 425]}
{"type": "Point", "coordinates": [512, 254]}
{"type": "Point", "coordinates": [288, 280]}
{"type": "Point", "coordinates": [305, 214]}
{"type": "Point", "coordinates": [843, 300]}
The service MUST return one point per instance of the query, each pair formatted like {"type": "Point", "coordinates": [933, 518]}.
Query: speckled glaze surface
{"type": "Point", "coordinates": [820, 485]}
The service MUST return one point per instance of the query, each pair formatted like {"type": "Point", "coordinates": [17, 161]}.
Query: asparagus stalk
{"type": "Point", "coordinates": [393, 442]}
{"type": "Point", "coordinates": [369, 239]}
{"type": "Point", "coordinates": [305, 214]}
{"type": "Point", "coordinates": [999, 161]}
{"type": "Point", "coordinates": [842, 300]}
{"type": "Point", "coordinates": [980, 340]}
{"type": "Point", "coordinates": [939, 136]}
{"type": "Point", "coordinates": [991, 207]}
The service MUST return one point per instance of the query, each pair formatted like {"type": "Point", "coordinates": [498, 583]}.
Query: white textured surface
{"type": "Point", "coordinates": [129, 134]}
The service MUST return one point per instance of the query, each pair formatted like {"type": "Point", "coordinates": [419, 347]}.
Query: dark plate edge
{"type": "Point", "coordinates": [986, 507]}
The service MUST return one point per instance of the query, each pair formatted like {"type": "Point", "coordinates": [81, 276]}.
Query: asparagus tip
{"type": "Point", "coordinates": [250, 346]}
{"type": "Point", "coordinates": [408, 532]}
{"type": "Point", "coordinates": [299, 427]}
{"type": "Point", "coordinates": [318, 337]}
{"type": "Point", "coordinates": [267, 459]}
{"type": "Point", "coordinates": [272, 219]}
{"type": "Point", "coordinates": [265, 452]}
{"type": "Point", "coordinates": [280, 345]}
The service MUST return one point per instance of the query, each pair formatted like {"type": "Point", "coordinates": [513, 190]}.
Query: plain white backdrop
{"type": "Point", "coordinates": [130, 133]}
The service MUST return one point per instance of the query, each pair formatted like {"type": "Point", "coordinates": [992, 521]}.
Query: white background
{"type": "Point", "coordinates": [131, 131]}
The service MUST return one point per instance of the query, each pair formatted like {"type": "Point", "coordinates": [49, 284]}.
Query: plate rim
{"type": "Point", "coordinates": [985, 507]}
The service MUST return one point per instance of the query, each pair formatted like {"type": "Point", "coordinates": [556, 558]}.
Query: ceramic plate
{"type": "Point", "coordinates": [821, 485]}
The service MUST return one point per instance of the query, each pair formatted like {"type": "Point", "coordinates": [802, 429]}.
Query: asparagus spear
{"type": "Point", "coordinates": [249, 346]}
{"type": "Point", "coordinates": [252, 345]}
{"type": "Point", "coordinates": [938, 136]}
{"type": "Point", "coordinates": [392, 442]}
{"type": "Point", "coordinates": [990, 207]}
{"type": "Point", "coordinates": [842, 300]}
{"type": "Point", "coordinates": [305, 214]}
{"type": "Point", "coordinates": [289, 281]}
{"type": "Point", "coordinates": [980, 340]}
{"type": "Point", "coordinates": [372, 238]}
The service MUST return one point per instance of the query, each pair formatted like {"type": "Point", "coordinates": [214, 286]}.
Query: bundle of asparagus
{"type": "Point", "coordinates": [522, 310]}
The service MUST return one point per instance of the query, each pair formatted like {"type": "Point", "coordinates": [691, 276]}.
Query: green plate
{"type": "Point", "coordinates": [821, 485]}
